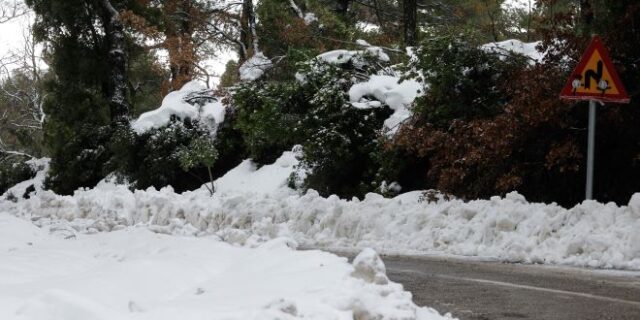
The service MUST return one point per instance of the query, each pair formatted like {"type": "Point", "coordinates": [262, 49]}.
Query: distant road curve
{"type": "Point", "coordinates": [489, 290]}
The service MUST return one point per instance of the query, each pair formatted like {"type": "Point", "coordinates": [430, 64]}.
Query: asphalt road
{"type": "Point", "coordinates": [477, 290]}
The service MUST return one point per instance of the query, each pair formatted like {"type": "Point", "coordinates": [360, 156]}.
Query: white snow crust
{"type": "Point", "coordinates": [342, 56]}
{"type": "Point", "coordinates": [390, 91]}
{"type": "Point", "coordinates": [510, 229]}
{"type": "Point", "coordinates": [211, 114]}
{"type": "Point", "coordinates": [255, 67]}
{"type": "Point", "coordinates": [57, 273]}
{"type": "Point", "coordinates": [527, 49]}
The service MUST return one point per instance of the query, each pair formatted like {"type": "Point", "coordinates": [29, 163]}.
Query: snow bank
{"type": "Point", "coordinates": [137, 274]}
{"type": "Point", "coordinates": [390, 91]}
{"type": "Point", "coordinates": [516, 46]}
{"type": "Point", "coordinates": [269, 179]}
{"type": "Point", "coordinates": [510, 229]}
{"type": "Point", "coordinates": [191, 102]}
{"type": "Point", "coordinates": [255, 67]}
{"type": "Point", "coordinates": [254, 205]}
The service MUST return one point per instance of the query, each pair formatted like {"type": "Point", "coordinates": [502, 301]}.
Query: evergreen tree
{"type": "Point", "coordinates": [85, 48]}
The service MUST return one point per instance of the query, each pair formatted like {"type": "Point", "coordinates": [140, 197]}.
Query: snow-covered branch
{"type": "Point", "coordinates": [10, 10]}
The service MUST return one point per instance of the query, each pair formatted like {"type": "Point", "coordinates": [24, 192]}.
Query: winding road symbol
{"type": "Point", "coordinates": [595, 77]}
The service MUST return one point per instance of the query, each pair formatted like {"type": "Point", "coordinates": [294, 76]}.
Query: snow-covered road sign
{"type": "Point", "coordinates": [595, 77]}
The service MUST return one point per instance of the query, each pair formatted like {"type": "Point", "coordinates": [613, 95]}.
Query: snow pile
{"type": "Point", "coordinates": [41, 167]}
{"type": "Point", "coordinates": [193, 101]}
{"type": "Point", "coordinates": [528, 50]}
{"type": "Point", "coordinates": [247, 209]}
{"type": "Point", "coordinates": [269, 179]}
{"type": "Point", "coordinates": [137, 274]}
{"type": "Point", "coordinates": [390, 91]}
{"type": "Point", "coordinates": [255, 67]}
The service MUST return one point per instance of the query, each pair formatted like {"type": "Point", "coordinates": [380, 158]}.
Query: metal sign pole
{"type": "Point", "coordinates": [592, 146]}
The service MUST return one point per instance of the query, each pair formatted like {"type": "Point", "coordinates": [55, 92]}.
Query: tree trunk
{"type": "Point", "coordinates": [117, 88]}
{"type": "Point", "coordinates": [410, 17]}
{"type": "Point", "coordinates": [586, 16]}
{"type": "Point", "coordinates": [248, 29]}
{"type": "Point", "coordinates": [179, 42]}
{"type": "Point", "coordinates": [341, 7]}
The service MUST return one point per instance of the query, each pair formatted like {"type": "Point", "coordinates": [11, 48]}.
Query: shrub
{"type": "Point", "coordinates": [12, 171]}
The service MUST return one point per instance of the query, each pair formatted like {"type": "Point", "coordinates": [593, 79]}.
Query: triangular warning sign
{"type": "Point", "coordinates": [595, 77]}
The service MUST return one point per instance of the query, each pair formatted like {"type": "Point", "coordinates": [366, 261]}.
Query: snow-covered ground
{"type": "Point", "coordinates": [254, 205]}
{"type": "Point", "coordinates": [54, 273]}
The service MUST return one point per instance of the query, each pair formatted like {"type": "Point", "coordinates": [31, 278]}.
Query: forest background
{"type": "Point", "coordinates": [484, 124]}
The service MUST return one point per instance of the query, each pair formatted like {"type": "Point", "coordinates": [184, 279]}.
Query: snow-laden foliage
{"type": "Point", "coordinates": [178, 144]}
{"type": "Point", "coordinates": [315, 111]}
{"type": "Point", "coordinates": [255, 67]}
{"type": "Point", "coordinates": [192, 102]}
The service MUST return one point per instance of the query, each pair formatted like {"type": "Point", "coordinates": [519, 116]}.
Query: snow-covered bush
{"type": "Point", "coordinates": [341, 143]}
{"type": "Point", "coordinates": [12, 171]}
{"type": "Point", "coordinates": [462, 80]}
{"type": "Point", "coordinates": [178, 143]}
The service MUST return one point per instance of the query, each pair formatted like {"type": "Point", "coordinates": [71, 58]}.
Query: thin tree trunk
{"type": "Point", "coordinates": [179, 42]}
{"type": "Point", "coordinates": [248, 32]}
{"type": "Point", "coordinates": [586, 16]}
{"type": "Point", "coordinates": [410, 17]}
{"type": "Point", "coordinates": [341, 7]}
{"type": "Point", "coordinates": [117, 89]}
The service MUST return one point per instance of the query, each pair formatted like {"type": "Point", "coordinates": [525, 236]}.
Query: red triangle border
{"type": "Point", "coordinates": [567, 92]}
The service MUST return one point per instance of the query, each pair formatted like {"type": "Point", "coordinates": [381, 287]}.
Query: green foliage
{"type": "Point", "coordinates": [153, 159]}
{"type": "Point", "coordinates": [462, 81]}
{"type": "Point", "coordinates": [201, 151]}
{"type": "Point", "coordinates": [269, 116]}
{"type": "Point", "coordinates": [231, 74]}
{"type": "Point", "coordinates": [283, 35]}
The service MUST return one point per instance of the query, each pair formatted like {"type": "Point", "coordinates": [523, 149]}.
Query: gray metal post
{"type": "Point", "coordinates": [592, 146]}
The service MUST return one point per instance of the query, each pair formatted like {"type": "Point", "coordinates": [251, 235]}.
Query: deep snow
{"type": "Point", "coordinates": [255, 205]}
{"type": "Point", "coordinates": [54, 273]}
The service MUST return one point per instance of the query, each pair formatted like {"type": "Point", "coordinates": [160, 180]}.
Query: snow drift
{"type": "Point", "coordinates": [510, 229]}
{"type": "Point", "coordinates": [137, 274]}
